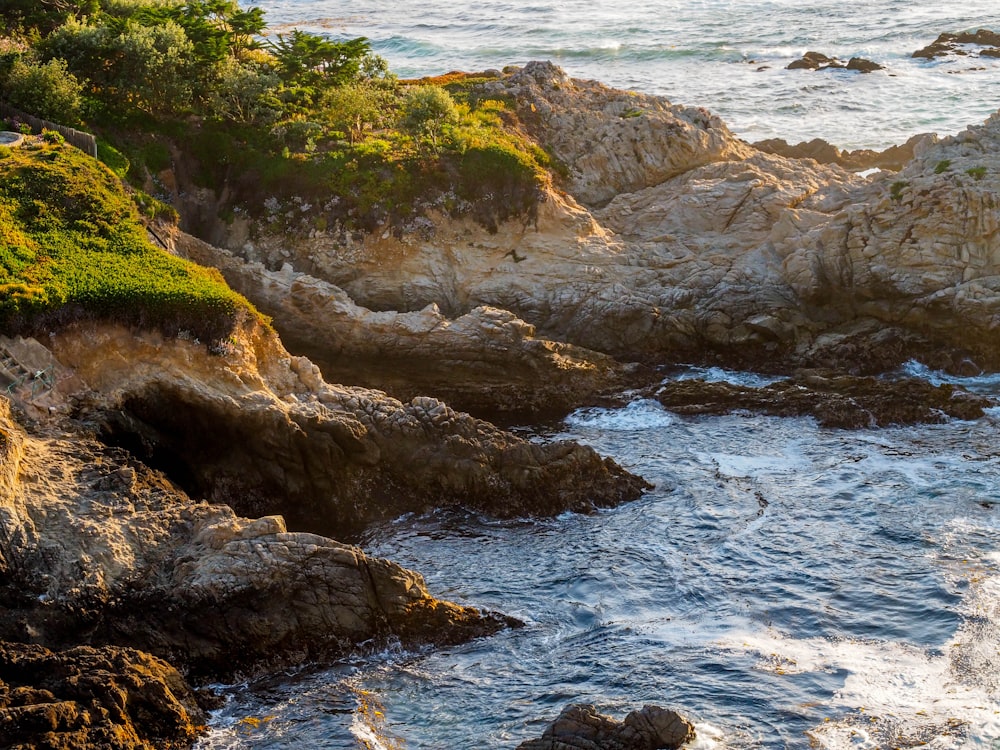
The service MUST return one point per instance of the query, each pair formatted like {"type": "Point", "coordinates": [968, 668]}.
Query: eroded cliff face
{"type": "Point", "coordinates": [674, 241]}
{"type": "Point", "coordinates": [98, 548]}
{"type": "Point", "coordinates": [487, 361]}
{"type": "Point", "coordinates": [262, 432]}
{"type": "Point", "coordinates": [198, 565]}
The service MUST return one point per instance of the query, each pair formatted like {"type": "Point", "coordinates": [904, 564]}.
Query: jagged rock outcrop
{"type": "Point", "coordinates": [835, 400]}
{"type": "Point", "coordinates": [97, 548]}
{"type": "Point", "coordinates": [581, 727]}
{"type": "Point", "coordinates": [486, 361]}
{"type": "Point", "coordinates": [112, 698]}
{"type": "Point", "coordinates": [613, 141]}
{"type": "Point", "coordinates": [698, 248]}
{"type": "Point", "coordinates": [893, 158]}
{"type": "Point", "coordinates": [946, 44]}
{"type": "Point", "coordinates": [260, 431]}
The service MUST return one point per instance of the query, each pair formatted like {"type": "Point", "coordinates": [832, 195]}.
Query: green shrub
{"type": "Point", "coordinates": [427, 110]}
{"type": "Point", "coordinates": [114, 159]}
{"type": "Point", "coordinates": [48, 90]}
{"type": "Point", "coordinates": [942, 166]}
{"type": "Point", "coordinates": [53, 136]}
{"type": "Point", "coordinates": [896, 189]}
{"type": "Point", "coordinates": [72, 246]}
{"type": "Point", "coordinates": [976, 172]}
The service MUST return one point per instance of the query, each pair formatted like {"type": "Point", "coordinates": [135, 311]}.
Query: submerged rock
{"type": "Point", "coordinates": [581, 727]}
{"type": "Point", "coordinates": [113, 698]}
{"type": "Point", "coordinates": [835, 400]}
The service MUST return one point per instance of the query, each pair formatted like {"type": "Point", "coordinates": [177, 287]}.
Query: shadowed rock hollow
{"type": "Point", "coordinates": [263, 433]}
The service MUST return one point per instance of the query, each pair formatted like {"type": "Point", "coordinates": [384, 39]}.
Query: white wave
{"type": "Point", "coordinates": [896, 691]}
{"type": "Point", "coordinates": [642, 414]}
{"type": "Point", "coordinates": [722, 375]}
{"type": "Point", "coordinates": [987, 384]}
{"type": "Point", "coordinates": [753, 466]}
{"type": "Point", "coordinates": [367, 735]}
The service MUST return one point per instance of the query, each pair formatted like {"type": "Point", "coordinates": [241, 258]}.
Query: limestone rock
{"type": "Point", "coordinates": [613, 141]}
{"type": "Point", "coordinates": [893, 158]}
{"type": "Point", "coordinates": [487, 361]}
{"type": "Point", "coordinates": [114, 698]}
{"type": "Point", "coordinates": [676, 242]}
{"type": "Point", "coordinates": [581, 727]}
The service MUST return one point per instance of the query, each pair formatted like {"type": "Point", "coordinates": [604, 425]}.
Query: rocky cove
{"type": "Point", "coordinates": [184, 502]}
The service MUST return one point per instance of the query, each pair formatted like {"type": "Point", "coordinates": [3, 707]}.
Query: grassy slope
{"type": "Point", "coordinates": [72, 246]}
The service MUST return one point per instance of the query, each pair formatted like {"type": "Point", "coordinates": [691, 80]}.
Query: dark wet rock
{"type": "Point", "coordinates": [951, 44]}
{"type": "Point", "coordinates": [819, 61]}
{"type": "Point", "coordinates": [99, 549]}
{"type": "Point", "coordinates": [835, 400]}
{"type": "Point", "coordinates": [112, 698]}
{"type": "Point", "coordinates": [581, 727]}
{"type": "Point", "coordinates": [813, 61]}
{"type": "Point", "coordinates": [330, 459]}
{"type": "Point", "coordinates": [893, 158]}
{"type": "Point", "coordinates": [862, 65]}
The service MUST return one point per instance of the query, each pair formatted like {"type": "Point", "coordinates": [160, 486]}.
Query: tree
{"type": "Point", "coordinates": [312, 60]}
{"type": "Point", "coordinates": [128, 65]}
{"type": "Point", "coordinates": [244, 93]}
{"type": "Point", "coordinates": [356, 108]}
{"type": "Point", "coordinates": [47, 90]}
{"type": "Point", "coordinates": [427, 110]}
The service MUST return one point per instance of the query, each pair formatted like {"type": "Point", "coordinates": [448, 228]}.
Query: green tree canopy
{"type": "Point", "coordinates": [313, 60]}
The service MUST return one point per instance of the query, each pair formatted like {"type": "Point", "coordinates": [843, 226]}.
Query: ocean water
{"type": "Point", "coordinates": [726, 55]}
{"type": "Point", "coordinates": [784, 586]}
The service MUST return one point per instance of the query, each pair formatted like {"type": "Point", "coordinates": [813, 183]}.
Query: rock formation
{"type": "Point", "coordinates": [581, 727]}
{"type": "Point", "coordinates": [946, 44]}
{"type": "Point", "coordinates": [260, 431]}
{"type": "Point", "coordinates": [819, 61]}
{"type": "Point", "coordinates": [835, 400]}
{"type": "Point", "coordinates": [113, 698]}
{"type": "Point", "coordinates": [675, 241]}
{"type": "Point", "coordinates": [893, 158]}
{"type": "Point", "coordinates": [98, 548]}
{"type": "Point", "coordinates": [486, 361]}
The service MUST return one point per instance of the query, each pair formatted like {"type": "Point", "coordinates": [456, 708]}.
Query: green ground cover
{"type": "Point", "coordinates": [73, 246]}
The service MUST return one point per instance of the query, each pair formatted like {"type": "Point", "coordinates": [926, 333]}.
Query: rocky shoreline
{"type": "Point", "coordinates": [160, 495]}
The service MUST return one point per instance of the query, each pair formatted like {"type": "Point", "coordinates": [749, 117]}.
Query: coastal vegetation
{"type": "Point", "coordinates": [73, 245]}
{"type": "Point", "coordinates": [301, 130]}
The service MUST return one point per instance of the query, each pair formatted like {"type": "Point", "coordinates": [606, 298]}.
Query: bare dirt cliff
{"type": "Point", "coordinates": [671, 240]}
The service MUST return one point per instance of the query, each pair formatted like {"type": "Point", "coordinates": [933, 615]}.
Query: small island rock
{"type": "Point", "coordinates": [581, 727]}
